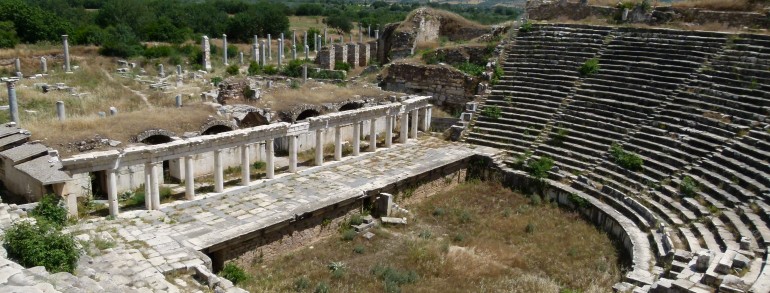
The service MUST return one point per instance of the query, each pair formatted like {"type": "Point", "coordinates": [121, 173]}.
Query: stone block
{"type": "Point", "coordinates": [393, 221]}
{"type": "Point", "coordinates": [384, 204]}
{"type": "Point", "coordinates": [703, 260]}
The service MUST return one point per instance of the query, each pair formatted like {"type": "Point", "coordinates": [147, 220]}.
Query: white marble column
{"type": "Point", "coordinates": [292, 153]}
{"type": "Point", "coordinates": [389, 131]}
{"type": "Point", "coordinates": [337, 143]}
{"type": "Point", "coordinates": [245, 165]}
{"type": "Point", "coordinates": [404, 127]}
{"type": "Point", "coordinates": [319, 147]}
{"type": "Point", "coordinates": [155, 185]}
{"type": "Point", "coordinates": [373, 135]}
{"type": "Point", "coordinates": [189, 178]}
{"type": "Point", "coordinates": [270, 160]}
{"type": "Point", "coordinates": [415, 123]}
{"type": "Point", "coordinates": [112, 191]}
{"type": "Point", "coordinates": [148, 186]}
{"type": "Point", "coordinates": [430, 116]}
{"type": "Point", "coordinates": [424, 122]}
{"type": "Point", "coordinates": [356, 138]}
{"type": "Point", "coordinates": [219, 180]}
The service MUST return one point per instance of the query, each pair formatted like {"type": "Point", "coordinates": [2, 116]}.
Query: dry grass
{"type": "Point", "coordinates": [718, 5]}
{"type": "Point", "coordinates": [471, 239]}
{"type": "Point", "coordinates": [121, 127]}
{"type": "Point", "coordinates": [282, 97]}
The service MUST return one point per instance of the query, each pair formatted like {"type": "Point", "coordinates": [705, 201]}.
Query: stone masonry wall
{"type": "Point", "coordinates": [353, 55]}
{"type": "Point", "coordinates": [341, 53]}
{"type": "Point", "coordinates": [325, 58]}
{"type": "Point", "coordinates": [363, 54]}
{"type": "Point", "coordinates": [476, 54]}
{"type": "Point", "coordinates": [450, 88]}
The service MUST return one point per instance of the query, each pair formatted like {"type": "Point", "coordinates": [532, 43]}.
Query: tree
{"type": "Point", "coordinates": [339, 22]}
{"type": "Point", "coordinates": [32, 23]}
{"type": "Point", "coordinates": [121, 41]}
{"type": "Point", "coordinates": [88, 35]}
{"type": "Point", "coordinates": [8, 37]}
{"type": "Point", "coordinates": [309, 9]}
{"type": "Point", "coordinates": [41, 245]}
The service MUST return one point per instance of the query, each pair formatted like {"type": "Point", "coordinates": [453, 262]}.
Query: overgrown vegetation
{"type": "Point", "coordinates": [688, 187]}
{"type": "Point", "coordinates": [43, 243]}
{"type": "Point", "coordinates": [539, 168]}
{"type": "Point", "coordinates": [493, 112]}
{"type": "Point", "coordinates": [472, 226]}
{"type": "Point", "coordinates": [590, 67]}
{"type": "Point", "coordinates": [233, 273]}
{"type": "Point", "coordinates": [626, 159]}
{"type": "Point", "coordinates": [526, 27]}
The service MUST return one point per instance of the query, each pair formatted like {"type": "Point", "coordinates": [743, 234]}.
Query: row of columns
{"type": "Point", "coordinates": [152, 170]}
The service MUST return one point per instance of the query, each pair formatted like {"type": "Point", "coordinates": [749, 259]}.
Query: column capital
{"type": "Point", "coordinates": [11, 83]}
{"type": "Point", "coordinates": [64, 37]}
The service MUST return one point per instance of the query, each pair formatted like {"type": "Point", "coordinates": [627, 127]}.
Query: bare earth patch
{"type": "Point", "coordinates": [479, 237]}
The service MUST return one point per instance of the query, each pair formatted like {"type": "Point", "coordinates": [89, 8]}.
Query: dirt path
{"type": "Point", "coordinates": [138, 93]}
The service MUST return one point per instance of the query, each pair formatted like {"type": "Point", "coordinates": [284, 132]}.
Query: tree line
{"type": "Point", "coordinates": [119, 26]}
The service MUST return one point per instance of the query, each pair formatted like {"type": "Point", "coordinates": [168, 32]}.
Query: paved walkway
{"type": "Point", "coordinates": [170, 238]}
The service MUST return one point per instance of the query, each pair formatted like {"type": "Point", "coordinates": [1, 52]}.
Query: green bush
{"type": "Point", "coordinates": [578, 201]}
{"type": "Point", "coordinates": [359, 249]}
{"type": "Point", "coordinates": [493, 112]}
{"type": "Point", "coordinates": [471, 69]}
{"type": "Point", "coordinates": [688, 187]}
{"type": "Point", "coordinates": [322, 287]}
{"type": "Point", "coordinates": [50, 210]}
{"type": "Point", "coordinates": [356, 220]}
{"type": "Point", "coordinates": [254, 68]}
{"type": "Point", "coordinates": [525, 27]}
{"type": "Point", "coordinates": [590, 67]}
{"type": "Point", "coordinates": [157, 51]}
{"type": "Point", "coordinates": [625, 159]}
{"type": "Point", "coordinates": [327, 74]}
{"type": "Point", "coordinates": [41, 245]}
{"type": "Point", "coordinates": [497, 74]}
{"type": "Point", "coordinates": [539, 169]}
{"type": "Point", "coordinates": [341, 66]}
{"type": "Point", "coordinates": [530, 228]}
{"type": "Point", "coordinates": [394, 278]}
{"type": "Point", "coordinates": [259, 165]}
{"type": "Point", "coordinates": [233, 273]}
{"type": "Point", "coordinates": [270, 70]}
{"type": "Point", "coordinates": [348, 234]}
{"type": "Point", "coordinates": [232, 70]}
{"type": "Point", "coordinates": [294, 68]}
{"type": "Point", "coordinates": [301, 283]}
{"type": "Point", "coordinates": [216, 80]}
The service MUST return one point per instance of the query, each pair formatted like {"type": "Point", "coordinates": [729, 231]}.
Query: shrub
{"type": "Point", "coordinates": [359, 249]}
{"type": "Point", "coordinates": [259, 165]}
{"type": "Point", "coordinates": [394, 278]}
{"type": "Point", "coordinates": [539, 168]}
{"type": "Point", "coordinates": [356, 220]}
{"type": "Point", "coordinates": [157, 51]}
{"type": "Point", "coordinates": [322, 287]}
{"type": "Point", "coordinates": [493, 112]}
{"type": "Point", "coordinates": [41, 245]}
{"type": "Point", "coordinates": [425, 234]}
{"type": "Point", "coordinates": [348, 234]}
{"type": "Point", "coordinates": [341, 66]}
{"type": "Point", "coordinates": [525, 27]}
{"type": "Point", "coordinates": [688, 187]}
{"type": "Point", "coordinates": [294, 68]}
{"type": "Point", "coordinates": [590, 67]}
{"type": "Point", "coordinates": [232, 69]}
{"type": "Point", "coordinates": [625, 159]}
{"type": "Point", "coordinates": [438, 212]}
{"type": "Point", "coordinates": [497, 74]}
{"type": "Point", "coordinates": [301, 283]}
{"type": "Point", "coordinates": [530, 228]}
{"type": "Point", "coordinates": [471, 69]}
{"type": "Point", "coordinates": [216, 80]}
{"type": "Point", "coordinates": [254, 68]}
{"type": "Point", "coordinates": [270, 70]}
{"type": "Point", "coordinates": [50, 210]}
{"type": "Point", "coordinates": [294, 85]}
{"type": "Point", "coordinates": [233, 273]}
{"type": "Point", "coordinates": [578, 201]}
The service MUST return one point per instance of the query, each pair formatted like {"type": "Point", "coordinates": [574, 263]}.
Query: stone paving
{"type": "Point", "coordinates": [151, 244]}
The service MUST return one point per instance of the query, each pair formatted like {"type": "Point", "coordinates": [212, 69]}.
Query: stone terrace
{"type": "Point", "coordinates": [160, 242]}
{"type": "Point", "coordinates": [691, 104]}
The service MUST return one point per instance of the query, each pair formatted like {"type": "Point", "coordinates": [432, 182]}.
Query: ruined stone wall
{"type": "Point", "coordinates": [544, 10]}
{"type": "Point", "coordinates": [325, 58]}
{"type": "Point", "coordinates": [476, 54]}
{"type": "Point", "coordinates": [449, 87]}
{"type": "Point", "coordinates": [271, 242]}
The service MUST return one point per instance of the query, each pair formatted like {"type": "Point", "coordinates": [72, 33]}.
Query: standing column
{"type": "Point", "coordinates": [13, 105]}
{"type": "Point", "coordinates": [270, 153]}
{"type": "Point", "coordinates": [155, 185]}
{"type": "Point", "coordinates": [43, 65]}
{"type": "Point", "coordinates": [356, 138]}
{"type": "Point", "coordinates": [402, 137]}
{"type": "Point", "coordinates": [307, 52]}
{"type": "Point", "coordinates": [325, 36]}
{"type": "Point", "coordinates": [415, 123]}
{"type": "Point", "coordinates": [388, 130]}
{"type": "Point", "coordinates": [66, 44]}
{"type": "Point", "coordinates": [17, 64]}
{"type": "Point", "coordinates": [224, 48]}
{"type": "Point", "coordinates": [112, 192]}
{"type": "Point", "coordinates": [60, 111]}
{"type": "Point", "coordinates": [219, 182]}
{"type": "Point", "coordinates": [319, 147]}
{"type": "Point", "coordinates": [430, 116]}
{"type": "Point", "coordinates": [189, 178]}
{"type": "Point", "coordinates": [255, 52]}
{"type": "Point", "coordinates": [304, 43]}
{"type": "Point", "coordinates": [337, 143]}
{"type": "Point", "coordinates": [280, 52]}
{"type": "Point", "coordinates": [245, 165]}
{"type": "Point", "coordinates": [240, 58]}
{"type": "Point", "coordinates": [293, 52]}
{"type": "Point", "coordinates": [424, 122]}
{"type": "Point", "coordinates": [262, 55]}
{"type": "Point", "coordinates": [377, 34]}
{"type": "Point", "coordinates": [148, 186]}
{"type": "Point", "coordinates": [373, 135]}
{"type": "Point", "coordinates": [269, 52]}
{"type": "Point", "coordinates": [315, 43]}
{"type": "Point", "coordinates": [293, 37]}
{"type": "Point", "coordinates": [293, 153]}
{"type": "Point", "coordinates": [206, 54]}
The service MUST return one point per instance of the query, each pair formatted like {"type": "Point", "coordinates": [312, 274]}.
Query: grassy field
{"type": "Point", "coordinates": [478, 237]}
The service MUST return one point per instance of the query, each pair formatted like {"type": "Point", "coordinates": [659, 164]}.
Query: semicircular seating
{"type": "Point", "coordinates": [694, 106]}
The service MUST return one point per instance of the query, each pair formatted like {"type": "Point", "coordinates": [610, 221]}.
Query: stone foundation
{"type": "Point", "coordinates": [341, 53]}
{"type": "Point", "coordinates": [449, 87]}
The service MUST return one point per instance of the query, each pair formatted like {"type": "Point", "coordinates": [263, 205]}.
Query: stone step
{"type": "Point", "coordinates": [743, 232]}
{"type": "Point", "coordinates": [707, 237]}
{"type": "Point", "coordinates": [693, 244]}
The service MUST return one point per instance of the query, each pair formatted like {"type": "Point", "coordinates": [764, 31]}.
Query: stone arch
{"type": "Point", "coordinates": [350, 106]}
{"type": "Point", "coordinates": [155, 136]}
{"type": "Point", "coordinates": [217, 126]}
{"type": "Point", "coordinates": [252, 119]}
{"type": "Point", "coordinates": [307, 114]}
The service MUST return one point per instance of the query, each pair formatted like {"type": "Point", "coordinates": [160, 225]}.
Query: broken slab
{"type": "Point", "coordinates": [393, 221]}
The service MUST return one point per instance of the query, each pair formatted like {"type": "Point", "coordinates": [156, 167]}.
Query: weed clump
{"type": "Point", "coordinates": [590, 67]}
{"type": "Point", "coordinates": [233, 273]}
